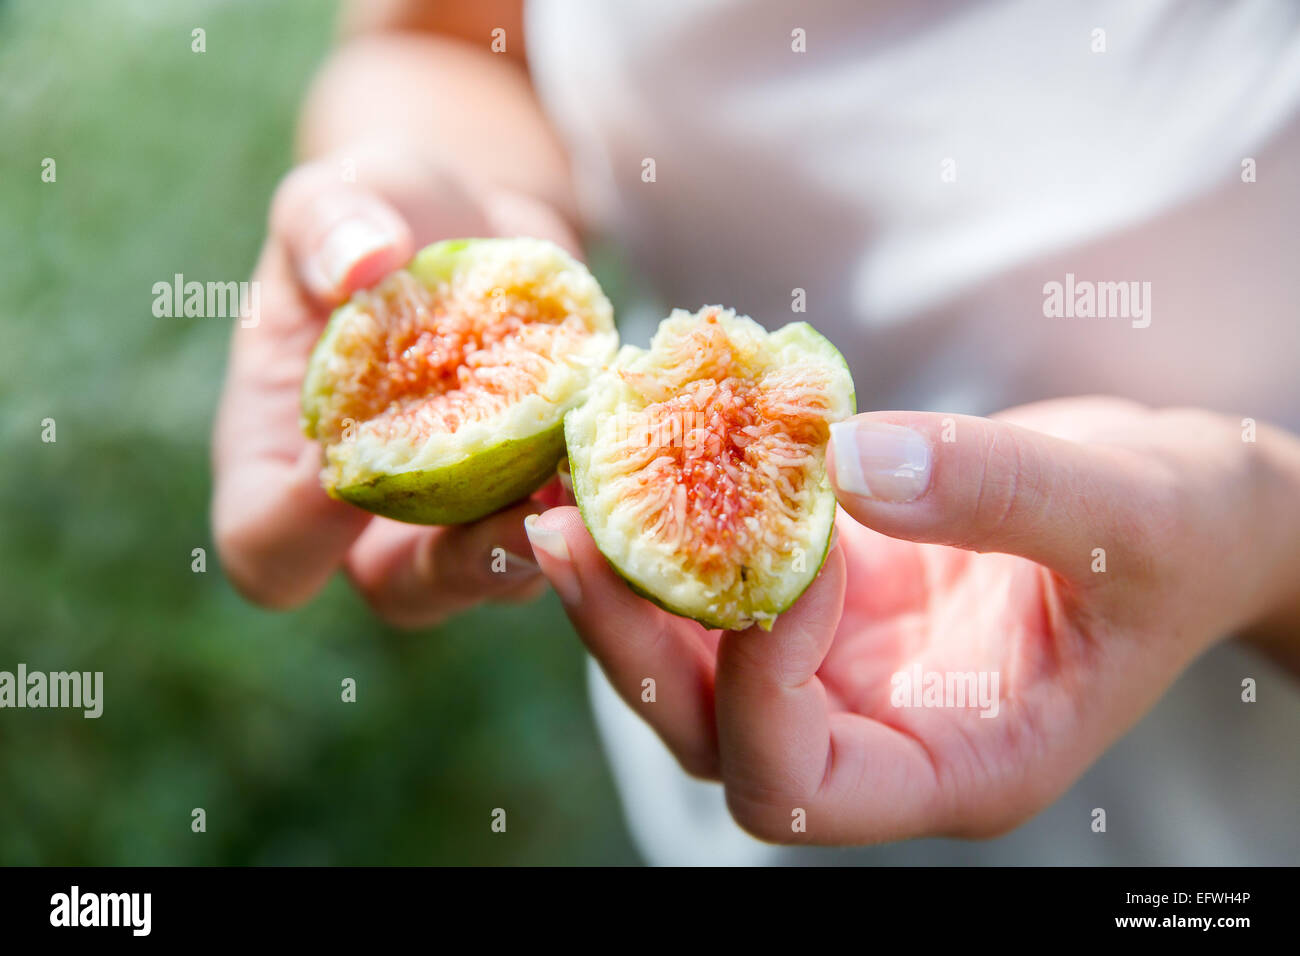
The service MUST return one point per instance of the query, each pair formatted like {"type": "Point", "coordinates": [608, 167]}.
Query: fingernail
{"type": "Point", "coordinates": [884, 462]}
{"type": "Point", "coordinates": [552, 544]}
{"type": "Point", "coordinates": [345, 244]}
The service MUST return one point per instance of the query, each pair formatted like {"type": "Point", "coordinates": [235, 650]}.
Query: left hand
{"type": "Point", "coordinates": [280, 536]}
{"type": "Point", "coordinates": [987, 561]}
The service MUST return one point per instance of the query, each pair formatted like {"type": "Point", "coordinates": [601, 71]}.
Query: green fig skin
{"type": "Point", "coordinates": [765, 624]}
{"type": "Point", "coordinates": [471, 489]}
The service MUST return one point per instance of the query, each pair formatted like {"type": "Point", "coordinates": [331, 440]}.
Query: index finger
{"type": "Point", "coordinates": [632, 640]}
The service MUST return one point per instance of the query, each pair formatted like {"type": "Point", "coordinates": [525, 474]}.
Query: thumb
{"type": "Point", "coordinates": [987, 485]}
{"type": "Point", "coordinates": [340, 237]}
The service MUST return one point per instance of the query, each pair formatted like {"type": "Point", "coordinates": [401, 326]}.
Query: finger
{"type": "Point", "coordinates": [340, 236]}
{"type": "Point", "coordinates": [415, 576]}
{"type": "Point", "coordinates": [633, 641]}
{"type": "Point", "coordinates": [987, 485]}
{"type": "Point", "coordinates": [279, 535]}
{"type": "Point", "coordinates": [772, 710]}
{"type": "Point", "coordinates": [1076, 418]}
{"type": "Point", "coordinates": [793, 770]}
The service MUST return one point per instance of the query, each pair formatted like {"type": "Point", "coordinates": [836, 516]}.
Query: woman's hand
{"type": "Point", "coordinates": [336, 225]}
{"type": "Point", "coordinates": [1068, 558]}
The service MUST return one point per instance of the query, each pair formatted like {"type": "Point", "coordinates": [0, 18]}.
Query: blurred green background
{"type": "Point", "coordinates": [166, 160]}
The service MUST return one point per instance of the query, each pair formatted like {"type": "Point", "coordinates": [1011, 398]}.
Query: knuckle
{"type": "Point", "coordinates": [1010, 472]}
{"type": "Point", "coordinates": [1160, 523]}
{"type": "Point", "coordinates": [1164, 508]}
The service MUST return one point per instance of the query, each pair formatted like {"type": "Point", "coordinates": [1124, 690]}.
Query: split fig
{"type": "Point", "coordinates": [439, 394]}
{"type": "Point", "coordinates": [699, 465]}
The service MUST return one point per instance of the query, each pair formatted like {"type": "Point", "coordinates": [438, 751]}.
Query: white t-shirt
{"type": "Point", "coordinates": [922, 172]}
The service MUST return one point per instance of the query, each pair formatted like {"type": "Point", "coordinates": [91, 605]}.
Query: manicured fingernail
{"type": "Point", "coordinates": [884, 462]}
{"type": "Point", "coordinates": [345, 244]}
{"type": "Point", "coordinates": [559, 565]}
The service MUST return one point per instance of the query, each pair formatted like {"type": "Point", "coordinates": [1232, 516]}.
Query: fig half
{"type": "Point", "coordinates": [699, 466]}
{"type": "Point", "coordinates": [439, 395]}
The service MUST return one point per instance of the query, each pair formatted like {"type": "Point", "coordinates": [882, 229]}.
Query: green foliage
{"type": "Point", "coordinates": [166, 160]}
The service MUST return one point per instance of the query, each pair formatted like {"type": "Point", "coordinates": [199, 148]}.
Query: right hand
{"type": "Point", "coordinates": [280, 536]}
{"type": "Point", "coordinates": [973, 558]}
